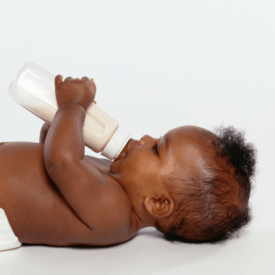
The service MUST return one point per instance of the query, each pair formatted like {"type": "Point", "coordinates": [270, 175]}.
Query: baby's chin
{"type": "Point", "coordinates": [120, 156]}
{"type": "Point", "coordinates": [114, 167]}
{"type": "Point", "coordinates": [123, 154]}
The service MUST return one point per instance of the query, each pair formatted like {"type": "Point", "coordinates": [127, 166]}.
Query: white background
{"type": "Point", "coordinates": [157, 65]}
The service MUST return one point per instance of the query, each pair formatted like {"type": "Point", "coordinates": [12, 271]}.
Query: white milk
{"type": "Point", "coordinates": [33, 88]}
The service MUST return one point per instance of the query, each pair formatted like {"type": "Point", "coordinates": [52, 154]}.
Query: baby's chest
{"type": "Point", "coordinates": [22, 172]}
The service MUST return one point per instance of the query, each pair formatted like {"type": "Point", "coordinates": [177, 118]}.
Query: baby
{"type": "Point", "coordinates": [190, 184]}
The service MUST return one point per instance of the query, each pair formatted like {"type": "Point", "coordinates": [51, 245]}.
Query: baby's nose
{"type": "Point", "coordinates": [144, 139]}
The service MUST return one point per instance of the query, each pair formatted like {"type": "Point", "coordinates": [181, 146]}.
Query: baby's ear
{"type": "Point", "coordinates": [159, 207]}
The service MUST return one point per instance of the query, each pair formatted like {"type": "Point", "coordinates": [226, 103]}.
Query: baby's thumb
{"type": "Point", "coordinates": [58, 80]}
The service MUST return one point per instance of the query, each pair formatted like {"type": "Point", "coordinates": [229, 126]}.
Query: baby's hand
{"type": "Point", "coordinates": [78, 91]}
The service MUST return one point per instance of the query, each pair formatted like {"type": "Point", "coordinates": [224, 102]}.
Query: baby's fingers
{"type": "Point", "coordinates": [58, 80]}
{"type": "Point", "coordinates": [86, 80]}
{"type": "Point", "coordinates": [92, 85]}
{"type": "Point", "coordinates": [68, 79]}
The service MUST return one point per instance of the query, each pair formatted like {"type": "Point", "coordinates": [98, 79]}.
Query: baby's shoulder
{"type": "Point", "coordinates": [111, 215]}
{"type": "Point", "coordinates": [118, 221]}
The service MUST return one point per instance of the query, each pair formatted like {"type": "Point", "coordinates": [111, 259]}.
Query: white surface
{"type": "Point", "coordinates": [157, 65]}
{"type": "Point", "coordinates": [148, 254]}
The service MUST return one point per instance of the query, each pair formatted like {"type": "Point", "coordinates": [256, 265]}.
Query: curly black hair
{"type": "Point", "coordinates": [213, 208]}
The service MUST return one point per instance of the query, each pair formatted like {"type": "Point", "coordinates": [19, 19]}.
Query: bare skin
{"type": "Point", "coordinates": [55, 195]}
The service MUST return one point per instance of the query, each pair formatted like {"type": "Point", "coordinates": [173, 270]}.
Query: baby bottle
{"type": "Point", "coordinates": [33, 88]}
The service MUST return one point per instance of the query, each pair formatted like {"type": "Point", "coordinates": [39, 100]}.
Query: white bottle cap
{"type": "Point", "coordinates": [116, 143]}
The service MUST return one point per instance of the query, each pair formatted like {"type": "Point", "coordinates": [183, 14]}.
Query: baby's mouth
{"type": "Point", "coordinates": [124, 150]}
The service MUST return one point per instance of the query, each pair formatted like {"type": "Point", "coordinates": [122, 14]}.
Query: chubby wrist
{"type": "Point", "coordinates": [70, 104]}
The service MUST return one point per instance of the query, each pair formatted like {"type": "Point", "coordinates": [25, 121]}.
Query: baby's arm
{"type": "Point", "coordinates": [101, 205]}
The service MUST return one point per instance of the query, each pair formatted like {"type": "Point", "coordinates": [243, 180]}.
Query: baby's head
{"type": "Point", "coordinates": [190, 184]}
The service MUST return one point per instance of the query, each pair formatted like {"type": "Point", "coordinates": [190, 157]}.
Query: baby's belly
{"type": "Point", "coordinates": [36, 210]}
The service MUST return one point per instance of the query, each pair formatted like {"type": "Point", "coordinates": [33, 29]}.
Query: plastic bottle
{"type": "Point", "coordinates": [33, 88]}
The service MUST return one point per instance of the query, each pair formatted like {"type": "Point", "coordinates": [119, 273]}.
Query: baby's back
{"type": "Point", "coordinates": [35, 208]}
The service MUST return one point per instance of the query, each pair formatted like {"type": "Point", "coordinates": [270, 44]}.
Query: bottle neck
{"type": "Point", "coordinates": [117, 143]}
